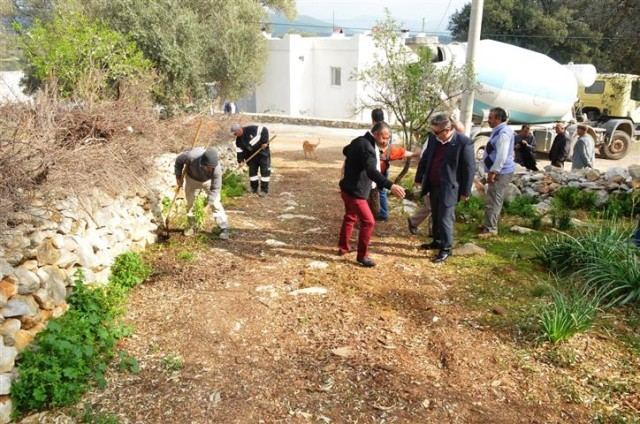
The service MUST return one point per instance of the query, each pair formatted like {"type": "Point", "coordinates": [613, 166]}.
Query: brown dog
{"type": "Point", "coordinates": [310, 149]}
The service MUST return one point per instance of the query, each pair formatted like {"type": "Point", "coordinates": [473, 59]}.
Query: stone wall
{"type": "Point", "coordinates": [47, 244]}
{"type": "Point", "coordinates": [542, 185]}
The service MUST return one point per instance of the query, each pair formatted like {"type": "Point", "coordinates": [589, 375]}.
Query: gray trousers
{"type": "Point", "coordinates": [422, 213]}
{"type": "Point", "coordinates": [191, 188]}
{"type": "Point", "coordinates": [495, 199]}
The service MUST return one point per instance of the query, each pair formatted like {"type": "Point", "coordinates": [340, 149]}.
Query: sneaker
{"type": "Point", "coordinates": [431, 246]}
{"type": "Point", "coordinates": [412, 228]}
{"type": "Point", "coordinates": [189, 231]}
{"type": "Point", "coordinates": [263, 194]}
{"type": "Point", "coordinates": [224, 234]}
{"type": "Point", "coordinates": [366, 262]}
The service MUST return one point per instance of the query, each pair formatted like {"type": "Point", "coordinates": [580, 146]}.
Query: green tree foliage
{"type": "Point", "coordinates": [195, 44]}
{"type": "Point", "coordinates": [410, 83]}
{"type": "Point", "coordinates": [82, 56]}
{"type": "Point", "coordinates": [578, 31]}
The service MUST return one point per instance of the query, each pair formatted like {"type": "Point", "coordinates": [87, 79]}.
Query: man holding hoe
{"type": "Point", "coordinates": [252, 148]}
{"type": "Point", "coordinates": [200, 169]}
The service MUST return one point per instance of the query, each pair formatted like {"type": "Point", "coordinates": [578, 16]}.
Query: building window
{"type": "Point", "coordinates": [335, 76]}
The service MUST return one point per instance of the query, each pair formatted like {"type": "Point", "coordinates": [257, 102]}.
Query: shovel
{"type": "Point", "coordinates": [164, 234]}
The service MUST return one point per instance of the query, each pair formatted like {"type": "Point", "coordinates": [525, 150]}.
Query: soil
{"type": "Point", "coordinates": [223, 338]}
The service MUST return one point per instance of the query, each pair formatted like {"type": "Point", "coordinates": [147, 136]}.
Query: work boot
{"type": "Point", "coordinates": [224, 234]}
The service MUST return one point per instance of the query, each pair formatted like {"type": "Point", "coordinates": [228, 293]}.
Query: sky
{"type": "Point", "coordinates": [435, 12]}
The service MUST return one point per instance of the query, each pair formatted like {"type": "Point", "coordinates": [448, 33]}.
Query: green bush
{"type": "Point", "coordinates": [471, 210]}
{"type": "Point", "coordinates": [129, 270]}
{"type": "Point", "coordinates": [621, 205]}
{"type": "Point", "coordinates": [574, 198]}
{"type": "Point", "coordinates": [521, 206]}
{"type": "Point", "coordinates": [72, 353]}
{"type": "Point", "coordinates": [83, 57]}
{"type": "Point", "coordinates": [561, 219]}
{"type": "Point", "coordinates": [232, 185]}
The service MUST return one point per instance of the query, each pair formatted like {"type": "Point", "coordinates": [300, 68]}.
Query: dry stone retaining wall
{"type": "Point", "coordinates": [41, 252]}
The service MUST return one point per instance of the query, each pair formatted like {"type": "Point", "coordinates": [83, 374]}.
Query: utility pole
{"type": "Point", "coordinates": [475, 27]}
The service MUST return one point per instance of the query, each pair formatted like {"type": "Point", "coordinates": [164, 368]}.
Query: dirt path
{"type": "Point", "coordinates": [222, 338]}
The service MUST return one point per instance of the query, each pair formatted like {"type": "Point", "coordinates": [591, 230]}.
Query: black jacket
{"type": "Point", "coordinates": [360, 168]}
{"type": "Point", "coordinates": [560, 148]}
{"type": "Point", "coordinates": [458, 168]}
{"type": "Point", "coordinates": [244, 148]}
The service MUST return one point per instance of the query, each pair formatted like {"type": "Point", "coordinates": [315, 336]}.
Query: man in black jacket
{"type": "Point", "coordinates": [249, 140]}
{"type": "Point", "coordinates": [361, 167]}
{"type": "Point", "coordinates": [560, 147]}
{"type": "Point", "coordinates": [445, 172]}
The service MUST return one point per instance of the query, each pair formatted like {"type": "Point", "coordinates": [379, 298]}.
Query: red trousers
{"type": "Point", "coordinates": [356, 209]}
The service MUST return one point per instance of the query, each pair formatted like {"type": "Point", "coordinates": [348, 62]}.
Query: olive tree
{"type": "Point", "coordinates": [410, 83]}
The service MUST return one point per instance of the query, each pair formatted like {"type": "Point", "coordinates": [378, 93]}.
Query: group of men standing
{"type": "Point", "coordinates": [445, 175]}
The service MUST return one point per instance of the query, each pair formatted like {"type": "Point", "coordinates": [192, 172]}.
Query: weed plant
{"type": "Point", "coordinates": [569, 313]}
{"type": "Point", "coordinates": [621, 205]}
{"type": "Point", "coordinates": [561, 219]}
{"type": "Point", "coordinates": [521, 206]}
{"type": "Point", "coordinates": [232, 185]}
{"type": "Point", "coordinates": [574, 198]}
{"type": "Point", "coordinates": [72, 353]}
{"type": "Point", "coordinates": [471, 210]}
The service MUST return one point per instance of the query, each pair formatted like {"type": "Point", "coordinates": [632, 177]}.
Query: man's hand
{"type": "Point", "coordinates": [464, 198]}
{"type": "Point", "coordinates": [492, 177]}
{"type": "Point", "coordinates": [397, 191]}
{"type": "Point", "coordinates": [264, 146]}
{"type": "Point", "coordinates": [416, 185]}
{"type": "Point", "coordinates": [179, 181]}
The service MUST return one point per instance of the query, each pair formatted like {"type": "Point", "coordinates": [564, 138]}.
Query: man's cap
{"type": "Point", "coordinates": [234, 127]}
{"type": "Point", "coordinates": [209, 158]}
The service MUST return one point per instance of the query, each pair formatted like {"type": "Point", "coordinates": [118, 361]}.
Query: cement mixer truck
{"type": "Point", "coordinates": [538, 91]}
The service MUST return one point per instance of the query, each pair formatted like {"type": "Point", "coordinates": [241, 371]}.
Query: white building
{"type": "Point", "coordinates": [10, 90]}
{"type": "Point", "coordinates": [311, 76]}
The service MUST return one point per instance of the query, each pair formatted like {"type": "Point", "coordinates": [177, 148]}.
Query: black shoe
{"type": "Point", "coordinates": [382, 219]}
{"type": "Point", "coordinates": [366, 262]}
{"type": "Point", "coordinates": [263, 194]}
{"type": "Point", "coordinates": [431, 246]}
{"type": "Point", "coordinates": [442, 256]}
{"type": "Point", "coordinates": [412, 228]}
{"type": "Point", "coordinates": [342, 252]}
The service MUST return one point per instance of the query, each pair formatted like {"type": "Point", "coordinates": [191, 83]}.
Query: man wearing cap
{"type": "Point", "coordinates": [584, 153]}
{"type": "Point", "coordinates": [524, 148]}
{"type": "Point", "coordinates": [203, 172]}
{"type": "Point", "coordinates": [249, 140]}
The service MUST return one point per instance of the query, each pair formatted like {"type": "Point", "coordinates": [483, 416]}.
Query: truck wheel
{"type": "Point", "coordinates": [479, 145]}
{"type": "Point", "coordinates": [618, 146]}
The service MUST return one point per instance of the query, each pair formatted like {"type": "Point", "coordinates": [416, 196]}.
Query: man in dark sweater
{"type": "Point", "coordinates": [560, 147]}
{"type": "Point", "coordinates": [361, 171]}
{"type": "Point", "coordinates": [249, 140]}
{"type": "Point", "coordinates": [445, 172]}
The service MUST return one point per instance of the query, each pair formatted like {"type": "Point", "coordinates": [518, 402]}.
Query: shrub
{"type": "Point", "coordinates": [232, 185]}
{"type": "Point", "coordinates": [129, 270]}
{"type": "Point", "coordinates": [65, 357]}
{"type": "Point", "coordinates": [621, 205]}
{"type": "Point", "coordinates": [472, 209]}
{"type": "Point", "coordinates": [521, 206]}
{"type": "Point", "coordinates": [574, 198]}
{"type": "Point", "coordinates": [561, 219]}
{"type": "Point", "coordinates": [80, 55]}
{"type": "Point", "coordinates": [72, 353]}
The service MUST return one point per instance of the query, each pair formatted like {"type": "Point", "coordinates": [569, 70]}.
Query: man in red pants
{"type": "Point", "coordinates": [361, 171]}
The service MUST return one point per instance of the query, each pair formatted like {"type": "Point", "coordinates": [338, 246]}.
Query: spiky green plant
{"type": "Point", "coordinates": [569, 313]}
